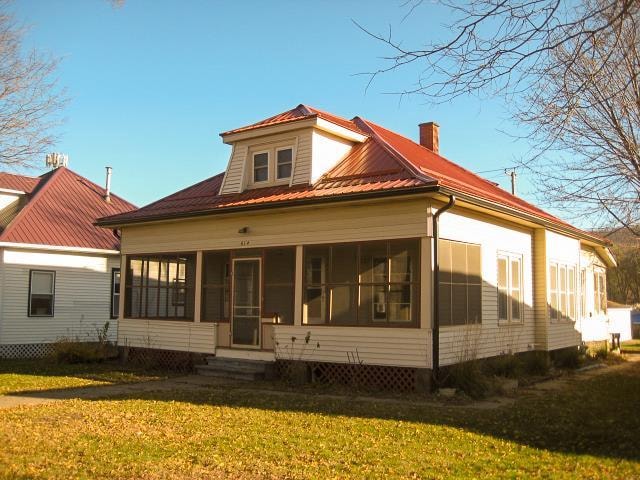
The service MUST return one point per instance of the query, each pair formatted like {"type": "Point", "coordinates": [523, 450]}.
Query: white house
{"type": "Point", "coordinates": [59, 273]}
{"type": "Point", "coordinates": [325, 228]}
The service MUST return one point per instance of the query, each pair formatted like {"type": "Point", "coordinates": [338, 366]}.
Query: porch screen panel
{"type": "Point", "coordinates": [279, 284]}
{"type": "Point", "coordinates": [460, 283]}
{"type": "Point", "coordinates": [369, 283]}
{"type": "Point", "coordinates": [216, 287]}
{"type": "Point", "coordinates": [160, 286]}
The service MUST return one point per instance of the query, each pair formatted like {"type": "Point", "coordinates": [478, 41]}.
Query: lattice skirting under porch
{"type": "Point", "coordinates": [164, 359]}
{"type": "Point", "coordinates": [26, 350]}
{"type": "Point", "coordinates": [360, 376]}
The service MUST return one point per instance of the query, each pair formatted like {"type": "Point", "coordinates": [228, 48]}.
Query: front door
{"type": "Point", "coordinates": [245, 324]}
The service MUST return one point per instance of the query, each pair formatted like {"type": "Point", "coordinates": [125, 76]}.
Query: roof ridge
{"type": "Point", "coordinates": [32, 201]}
{"type": "Point", "coordinates": [102, 189]}
{"type": "Point", "coordinates": [405, 162]}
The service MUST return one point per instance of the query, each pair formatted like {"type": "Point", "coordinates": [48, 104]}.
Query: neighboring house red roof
{"type": "Point", "coordinates": [61, 209]}
{"type": "Point", "coordinates": [21, 183]}
{"type": "Point", "coordinates": [385, 162]}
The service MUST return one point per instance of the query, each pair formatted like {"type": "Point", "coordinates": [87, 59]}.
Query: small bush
{"type": "Point", "coordinates": [506, 365]}
{"type": "Point", "coordinates": [469, 378]}
{"type": "Point", "coordinates": [571, 357]}
{"type": "Point", "coordinates": [69, 351]}
{"type": "Point", "coordinates": [536, 363]}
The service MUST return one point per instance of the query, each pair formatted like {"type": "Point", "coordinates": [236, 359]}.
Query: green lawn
{"type": "Point", "coordinates": [18, 376]}
{"type": "Point", "coordinates": [631, 346]}
{"type": "Point", "coordinates": [589, 430]}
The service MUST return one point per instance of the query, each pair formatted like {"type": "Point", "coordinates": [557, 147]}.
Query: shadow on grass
{"type": "Point", "coordinates": [595, 416]}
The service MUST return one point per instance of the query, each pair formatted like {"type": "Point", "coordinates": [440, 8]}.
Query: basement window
{"type": "Point", "coordinates": [261, 167]}
{"type": "Point", "coordinates": [41, 293]}
{"type": "Point", "coordinates": [284, 163]}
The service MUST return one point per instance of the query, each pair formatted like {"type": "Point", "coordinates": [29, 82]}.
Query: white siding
{"type": "Point", "coordinates": [620, 322]}
{"type": "Point", "coordinates": [168, 335]}
{"type": "Point", "coordinates": [592, 325]}
{"type": "Point", "coordinates": [562, 250]}
{"type": "Point", "coordinates": [82, 297]}
{"type": "Point", "coordinates": [403, 347]}
{"type": "Point", "coordinates": [490, 338]}
{"type": "Point", "coordinates": [328, 150]}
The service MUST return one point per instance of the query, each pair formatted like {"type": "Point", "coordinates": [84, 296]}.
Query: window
{"type": "Point", "coordinates": [373, 283]}
{"type": "Point", "coordinates": [115, 293]}
{"type": "Point", "coordinates": [279, 283]}
{"type": "Point", "coordinates": [562, 292]}
{"type": "Point", "coordinates": [284, 163]}
{"type": "Point", "coordinates": [583, 293]}
{"type": "Point", "coordinates": [510, 297]}
{"type": "Point", "coordinates": [599, 292]}
{"type": "Point", "coordinates": [160, 286]}
{"type": "Point", "coordinates": [460, 283]}
{"type": "Point", "coordinates": [216, 286]}
{"type": "Point", "coordinates": [42, 284]}
{"type": "Point", "coordinates": [261, 167]}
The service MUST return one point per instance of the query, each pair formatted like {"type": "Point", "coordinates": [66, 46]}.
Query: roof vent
{"type": "Point", "coordinates": [56, 160]}
{"type": "Point", "coordinates": [430, 136]}
{"type": "Point", "coordinates": [107, 187]}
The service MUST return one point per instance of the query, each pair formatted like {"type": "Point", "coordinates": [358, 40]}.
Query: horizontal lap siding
{"type": "Point", "coordinates": [458, 343]}
{"type": "Point", "coordinates": [82, 298]}
{"type": "Point", "coordinates": [332, 224]}
{"type": "Point", "coordinates": [399, 347]}
{"type": "Point", "coordinates": [233, 178]}
{"type": "Point", "coordinates": [592, 326]}
{"type": "Point", "coordinates": [167, 335]}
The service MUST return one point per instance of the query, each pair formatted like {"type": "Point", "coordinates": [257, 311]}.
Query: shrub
{"type": "Point", "coordinates": [506, 365]}
{"type": "Point", "coordinates": [571, 357]}
{"type": "Point", "coordinates": [469, 378]}
{"type": "Point", "coordinates": [72, 351]}
{"type": "Point", "coordinates": [536, 363]}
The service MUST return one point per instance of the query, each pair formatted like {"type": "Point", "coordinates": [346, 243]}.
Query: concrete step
{"type": "Point", "coordinates": [239, 369]}
{"type": "Point", "coordinates": [215, 371]}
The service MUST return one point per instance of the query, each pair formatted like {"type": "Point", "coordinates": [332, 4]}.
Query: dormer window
{"type": "Point", "coordinates": [260, 167]}
{"type": "Point", "coordinates": [284, 159]}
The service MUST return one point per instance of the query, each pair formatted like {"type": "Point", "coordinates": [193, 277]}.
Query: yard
{"type": "Point", "coordinates": [587, 429]}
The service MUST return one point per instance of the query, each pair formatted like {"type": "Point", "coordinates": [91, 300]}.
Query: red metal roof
{"type": "Point", "coordinates": [301, 112]}
{"type": "Point", "coordinates": [61, 210]}
{"type": "Point", "coordinates": [385, 162]}
{"type": "Point", "coordinates": [21, 183]}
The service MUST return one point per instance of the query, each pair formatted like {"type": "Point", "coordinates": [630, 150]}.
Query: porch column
{"type": "Point", "coordinates": [426, 277]}
{"type": "Point", "coordinates": [198, 287]}
{"type": "Point", "coordinates": [297, 309]}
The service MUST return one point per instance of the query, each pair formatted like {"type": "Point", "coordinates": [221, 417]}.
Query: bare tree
{"type": "Point", "coordinates": [29, 97]}
{"type": "Point", "coordinates": [570, 71]}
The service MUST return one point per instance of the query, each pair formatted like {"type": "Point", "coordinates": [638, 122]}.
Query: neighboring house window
{"type": "Point", "coordinates": [42, 284]}
{"type": "Point", "coordinates": [600, 292]}
{"type": "Point", "coordinates": [284, 159]}
{"type": "Point", "coordinates": [460, 283]}
{"type": "Point", "coordinates": [261, 167]}
{"type": "Point", "coordinates": [216, 286]}
{"type": "Point", "coordinates": [115, 293]}
{"type": "Point", "coordinates": [373, 283]}
{"type": "Point", "coordinates": [510, 287]}
{"type": "Point", "coordinates": [562, 292]}
{"type": "Point", "coordinates": [160, 286]}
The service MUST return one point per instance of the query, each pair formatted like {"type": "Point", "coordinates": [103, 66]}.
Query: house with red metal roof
{"type": "Point", "coordinates": [59, 273]}
{"type": "Point", "coordinates": [335, 242]}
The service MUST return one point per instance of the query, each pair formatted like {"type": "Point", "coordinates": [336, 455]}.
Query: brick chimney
{"type": "Point", "coordinates": [429, 136]}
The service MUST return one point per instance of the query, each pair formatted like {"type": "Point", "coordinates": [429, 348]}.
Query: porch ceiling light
{"type": "Point", "coordinates": [244, 230]}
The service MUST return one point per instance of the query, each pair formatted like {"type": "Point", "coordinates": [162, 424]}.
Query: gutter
{"type": "Point", "coordinates": [436, 295]}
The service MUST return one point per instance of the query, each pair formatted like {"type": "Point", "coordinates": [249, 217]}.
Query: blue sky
{"type": "Point", "coordinates": [153, 83]}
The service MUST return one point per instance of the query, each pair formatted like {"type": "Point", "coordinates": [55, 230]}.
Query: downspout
{"type": "Point", "coordinates": [436, 294]}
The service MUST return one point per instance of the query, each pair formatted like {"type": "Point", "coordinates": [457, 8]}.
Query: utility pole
{"type": "Point", "coordinates": [511, 172]}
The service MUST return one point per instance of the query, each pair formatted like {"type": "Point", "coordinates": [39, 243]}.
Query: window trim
{"type": "Point", "coordinates": [113, 284]}
{"type": "Point", "coordinates": [53, 294]}
{"type": "Point", "coordinates": [599, 294]}
{"type": "Point", "coordinates": [412, 324]}
{"type": "Point", "coordinates": [567, 267]}
{"type": "Point", "coordinates": [277, 164]}
{"type": "Point", "coordinates": [253, 164]}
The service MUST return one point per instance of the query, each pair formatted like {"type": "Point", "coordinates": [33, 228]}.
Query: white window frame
{"type": "Point", "coordinates": [253, 164]}
{"type": "Point", "coordinates": [52, 293]}
{"type": "Point", "coordinates": [559, 315]}
{"type": "Point", "coordinates": [599, 296]}
{"type": "Point", "coordinates": [115, 297]}
{"type": "Point", "coordinates": [278, 150]}
{"type": "Point", "coordinates": [509, 258]}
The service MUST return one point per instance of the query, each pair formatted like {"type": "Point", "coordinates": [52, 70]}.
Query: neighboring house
{"type": "Point", "coordinates": [619, 320]}
{"type": "Point", "coordinates": [59, 273]}
{"type": "Point", "coordinates": [324, 226]}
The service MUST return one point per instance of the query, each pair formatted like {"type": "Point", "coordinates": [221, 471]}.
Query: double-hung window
{"type": "Point", "coordinates": [562, 291]}
{"type": "Point", "coordinates": [42, 284]}
{"type": "Point", "coordinates": [599, 292]}
{"type": "Point", "coordinates": [260, 167]}
{"type": "Point", "coordinates": [284, 160]}
{"type": "Point", "coordinates": [115, 293]}
{"type": "Point", "coordinates": [510, 288]}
